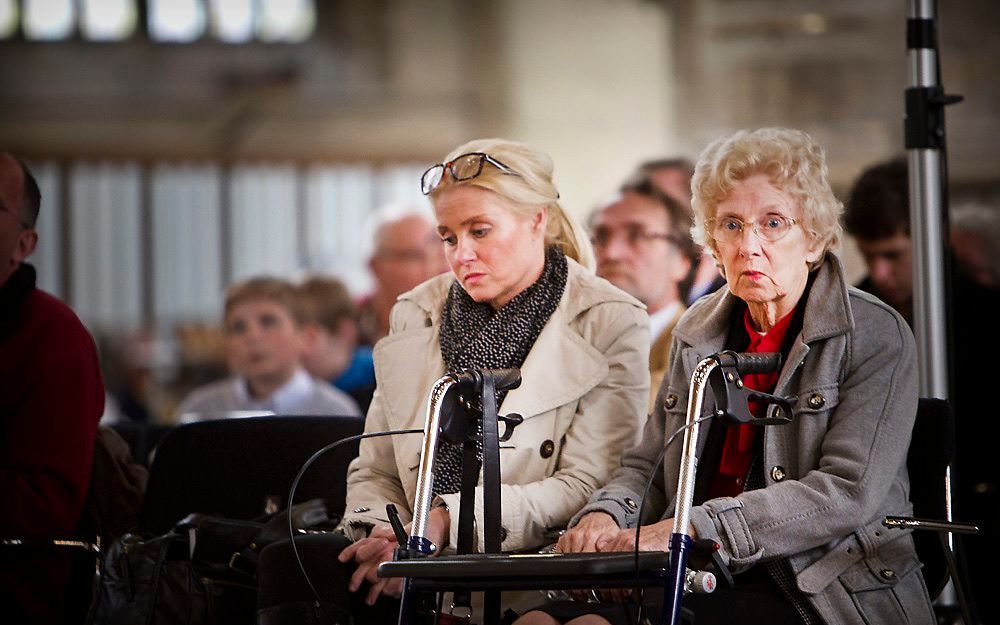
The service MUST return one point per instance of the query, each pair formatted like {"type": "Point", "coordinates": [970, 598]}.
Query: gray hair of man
{"type": "Point", "coordinates": [387, 215]}
{"type": "Point", "coordinates": [795, 164]}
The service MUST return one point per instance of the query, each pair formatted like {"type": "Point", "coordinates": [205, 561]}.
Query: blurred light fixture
{"type": "Point", "coordinates": [108, 20]}
{"type": "Point", "coordinates": [49, 20]}
{"type": "Point", "coordinates": [290, 21]}
{"type": "Point", "coordinates": [176, 21]}
{"type": "Point", "coordinates": [8, 18]}
{"type": "Point", "coordinates": [232, 20]}
{"type": "Point", "coordinates": [813, 23]}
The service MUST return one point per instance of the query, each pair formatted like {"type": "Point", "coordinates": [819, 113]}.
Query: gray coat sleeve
{"type": "Point", "coordinates": [622, 495]}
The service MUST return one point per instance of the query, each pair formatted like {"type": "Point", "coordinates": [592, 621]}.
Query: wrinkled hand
{"type": "Point", "coordinates": [368, 553]}
{"type": "Point", "coordinates": [655, 537]}
{"type": "Point", "coordinates": [594, 529]}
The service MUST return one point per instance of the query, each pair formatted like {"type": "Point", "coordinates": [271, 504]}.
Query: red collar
{"type": "Point", "coordinates": [775, 337]}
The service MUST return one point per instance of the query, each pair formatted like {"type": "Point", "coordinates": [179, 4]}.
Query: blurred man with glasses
{"type": "Point", "coordinates": [643, 246]}
{"type": "Point", "coordinates": [672, 176]}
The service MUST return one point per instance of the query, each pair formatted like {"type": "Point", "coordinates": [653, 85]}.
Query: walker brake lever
{"type": "Point", "coordinates": [732, 397]}
{"type": "Point", "coordinates": [510, 421]}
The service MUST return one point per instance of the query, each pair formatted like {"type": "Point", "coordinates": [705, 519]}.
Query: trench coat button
{"type": "Point", "coordinates": [630, 503]}
{"type": "Point", "coordinates": [777, 473]}
{"type": "Point", "coordinates": [361, 510]}
{"type": "Point", "coordinates": [547, 449]}
{"type": "Point", "coordinates": [816, 401]}
{"type": "Point", "coordinates": [887, 574]}
{"type": "Point", "coordinates": [670, 401]}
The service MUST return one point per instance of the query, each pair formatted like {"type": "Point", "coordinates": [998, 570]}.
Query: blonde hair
{"type": "Point", "coordinates": [270, 289]}
{"type": "Point", "coordinates": [529, 191]}
{"type": "Point", "coordinates": [792, 160]}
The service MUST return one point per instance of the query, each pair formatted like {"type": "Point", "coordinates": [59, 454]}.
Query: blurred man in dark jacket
{"type": "Point", "coordinates": [51, 399]}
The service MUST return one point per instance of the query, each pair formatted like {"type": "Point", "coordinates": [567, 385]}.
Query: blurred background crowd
{"type": "Point", "coordinates": [182, 146]}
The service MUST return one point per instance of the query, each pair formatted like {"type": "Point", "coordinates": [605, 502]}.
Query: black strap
{"type": "Point", "coordinates": [491, 468]}
{"type": "Point", "coordinates": [491, 490]}
{"type": "Point", "coordinates": [467, 511]}
{"type": "Point", "coordinates": [467, 508]}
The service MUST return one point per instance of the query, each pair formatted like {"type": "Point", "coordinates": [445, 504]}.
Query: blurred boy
{"type": "Point", "coordinates": [333, 352]}
{"type": "Point", "coordinates": [265, 337]}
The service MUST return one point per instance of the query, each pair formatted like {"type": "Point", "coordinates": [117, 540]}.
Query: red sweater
{"type": "Point", "coordinates": [741, 440]}
{"type": "Point", "coordinates": [51, 399]}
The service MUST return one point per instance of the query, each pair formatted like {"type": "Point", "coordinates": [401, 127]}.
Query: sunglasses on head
{"type": "Point", "coordinates": [464, 167]}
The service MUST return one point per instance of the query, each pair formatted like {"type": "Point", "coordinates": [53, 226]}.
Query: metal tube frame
{"type": "Point", "coordinates": [425, 476]}
{"type": "Point", "coordinates": [680, 541]}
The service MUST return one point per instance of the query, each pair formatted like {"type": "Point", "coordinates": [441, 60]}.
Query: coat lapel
{"type": "Point", "coordinates": [560, 368]}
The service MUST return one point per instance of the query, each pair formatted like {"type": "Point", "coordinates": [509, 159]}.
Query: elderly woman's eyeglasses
{"type": "Point", "coordinates": [770, 228]}
{"type": "Point", "coordinates": [464, 167]}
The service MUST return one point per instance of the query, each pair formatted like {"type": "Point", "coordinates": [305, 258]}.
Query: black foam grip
{"type": "Point", "coordinates": [503, 379]}
{"type": "Point", "coordinates": [506, 379]}
{"type": "Point", "coordinates": [763, 362]}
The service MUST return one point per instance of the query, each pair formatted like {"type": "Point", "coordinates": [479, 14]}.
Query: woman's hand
{"type": "Point", "coordinates": [593, 530]}
{"type": "Point", "coordinates": [438, 528]}
{"type": "Point", "coordinates": [369, 552]}
{"type": "Point", "coordinates": [655, 537]}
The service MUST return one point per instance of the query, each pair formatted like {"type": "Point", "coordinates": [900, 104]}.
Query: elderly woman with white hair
{"type": "Point", "coordinates": [796, 509]}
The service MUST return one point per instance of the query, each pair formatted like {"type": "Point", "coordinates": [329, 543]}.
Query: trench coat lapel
{"type": "Point", "coordinates": [560, 368]}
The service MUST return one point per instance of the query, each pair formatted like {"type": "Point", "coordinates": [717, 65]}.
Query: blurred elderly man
{"type": "Point", "coordinates": [643, 246]}
{"type": "Point", "coordinates": [672, 176]}
{"type": "Point", "coordinates": [406, 252]}
{"type": "Point", "coordinates": [51, 399]}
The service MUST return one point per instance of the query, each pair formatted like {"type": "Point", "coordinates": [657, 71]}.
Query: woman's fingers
{"type": "Point", "coordinates": [590, 529]}
{"type": "Point", "coordinates": [358, 577]}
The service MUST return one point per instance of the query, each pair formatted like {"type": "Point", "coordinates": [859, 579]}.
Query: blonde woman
{"type": "Point", "coordinates": [521, 293]}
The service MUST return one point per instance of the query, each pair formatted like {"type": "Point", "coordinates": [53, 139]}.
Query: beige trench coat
{"type": "Point", "coordinates": [583, 398]}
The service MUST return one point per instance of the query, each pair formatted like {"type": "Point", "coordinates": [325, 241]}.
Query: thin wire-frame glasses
{"type": "Point", "coordinates": [464, 167]}
{"type": "Point", "coordinates": [770, 228]}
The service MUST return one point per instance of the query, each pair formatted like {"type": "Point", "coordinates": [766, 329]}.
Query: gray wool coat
{"type": "Point", "coordinates": [831, 475]}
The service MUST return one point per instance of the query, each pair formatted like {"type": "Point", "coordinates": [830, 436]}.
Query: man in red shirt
{"type": "Point", "coordinates": [51, 399]}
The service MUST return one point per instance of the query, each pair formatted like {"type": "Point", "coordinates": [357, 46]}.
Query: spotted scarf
{"type": "Point", "coordinates": [474, 336]}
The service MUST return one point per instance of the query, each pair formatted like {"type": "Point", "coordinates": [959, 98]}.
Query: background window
{"type": "Point", "coordinates": [108, 20]}
{"type": "Point", "coordinates": [176, 21]}
{"type": "Point", "coordinates": [49, 20]}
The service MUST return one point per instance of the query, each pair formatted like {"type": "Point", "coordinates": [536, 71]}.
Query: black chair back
{"type": "Point", "coordinates": [242, 468]}
{"type": "Point", "coordinates": [931, 453]}
{"type": "Point", "coordinates": [142, 438]}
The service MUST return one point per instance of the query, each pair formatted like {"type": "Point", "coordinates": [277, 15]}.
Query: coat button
{"type": "Point", "coordinates": [887, 574]}
{"type": "Point", "coordinates": [670, 401]}
{"type": "Point", "coordinates": [816, 401]}
{"type": "Point", "coordinates": [361, 510]}
{"type": "Point", "coordinates": [630, 504]}
{"type": "Point", "coordinates": [777, 473]}
{"type": "Point", "coordinates": [547, 449]}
